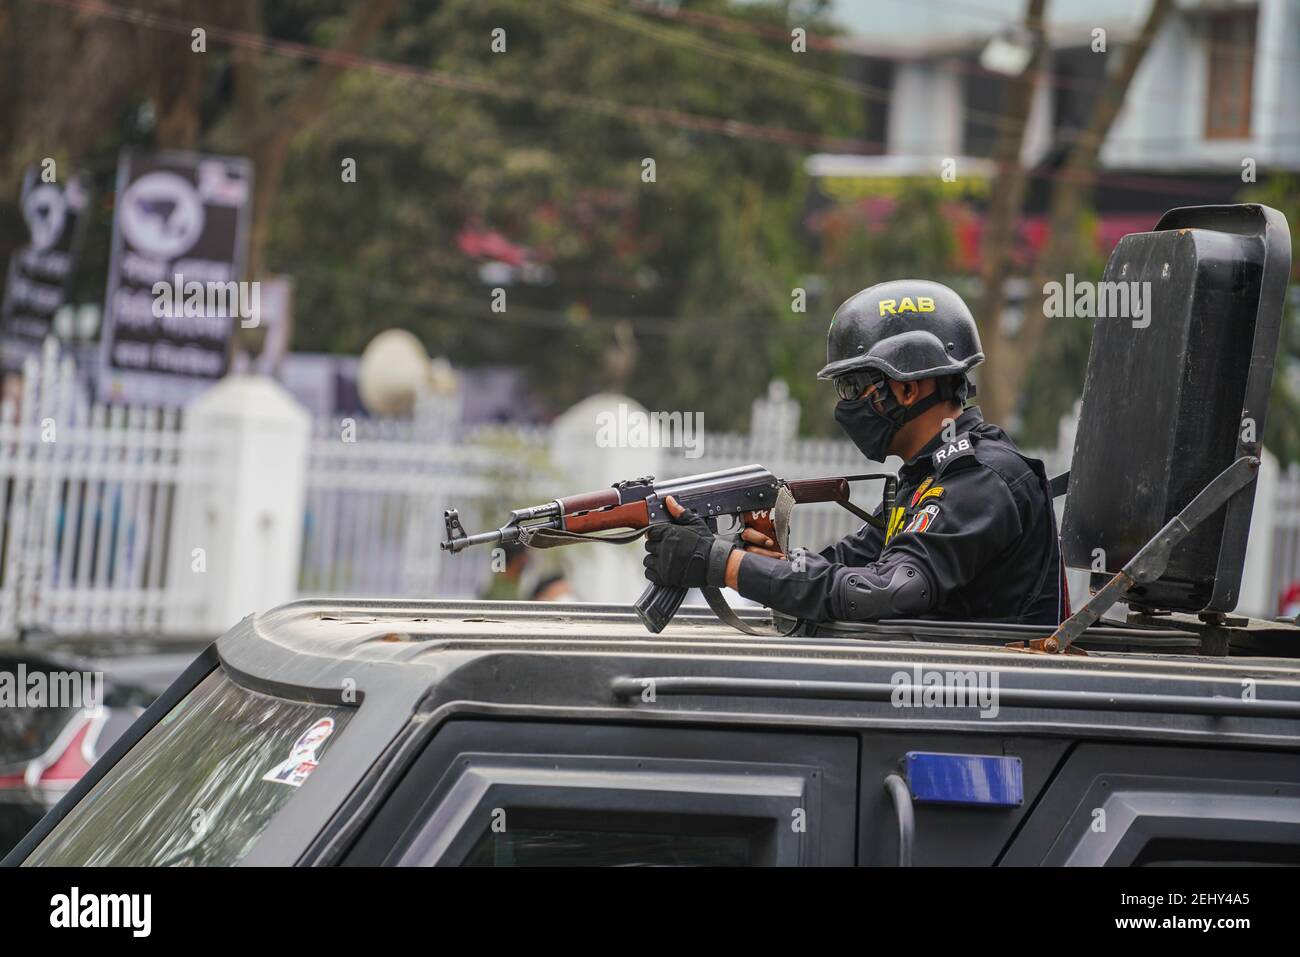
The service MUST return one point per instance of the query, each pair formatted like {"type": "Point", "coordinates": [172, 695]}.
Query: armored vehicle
{"type": "Point", "coordinates": [514, 734]}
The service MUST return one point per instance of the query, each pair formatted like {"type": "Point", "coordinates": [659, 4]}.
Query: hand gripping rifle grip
{"type": "Point", "coordinates": [658, 604]}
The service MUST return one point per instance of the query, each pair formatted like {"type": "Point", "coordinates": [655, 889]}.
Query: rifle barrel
{"type": "Point", "coordinates": [482, 538]}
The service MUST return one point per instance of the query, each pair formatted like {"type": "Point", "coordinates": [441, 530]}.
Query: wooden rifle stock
{"type": "Point", "coordinates": [806, 491]}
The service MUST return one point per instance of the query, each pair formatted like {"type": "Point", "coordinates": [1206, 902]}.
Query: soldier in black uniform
{"type": "Point", "coordinates": [973, 534]}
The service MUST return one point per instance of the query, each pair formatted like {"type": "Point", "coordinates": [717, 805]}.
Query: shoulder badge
{"type": "Point", "coordinates": [920, 490]}
{"type": "Point", "coordinates": [921, 519]}
{"type": "Point", "coordinates": [926, 490]}
{"type": "Point", "coordinates": [955, 454]}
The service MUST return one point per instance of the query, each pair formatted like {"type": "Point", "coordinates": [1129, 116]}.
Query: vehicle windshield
{"type": "Point", "coordinates": [201, 786]}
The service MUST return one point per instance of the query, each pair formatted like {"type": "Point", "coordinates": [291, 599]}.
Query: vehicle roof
{"type": "Point", "coordinates": [585, 659]}
{"type": "Point", "coordinates": [387, 627]}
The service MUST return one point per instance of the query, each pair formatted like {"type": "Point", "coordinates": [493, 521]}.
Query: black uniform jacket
{"type": "Point", "coordinates": [974, 515]}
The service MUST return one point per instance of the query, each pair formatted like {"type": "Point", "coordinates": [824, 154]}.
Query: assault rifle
{"type": "Point", "coordinates": [749, 496]}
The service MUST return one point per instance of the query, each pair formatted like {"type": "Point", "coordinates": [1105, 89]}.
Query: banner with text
{"type": "Point", "coordinates": [40, 271]}
{"type": "Point", "coordinates": [180, 239]}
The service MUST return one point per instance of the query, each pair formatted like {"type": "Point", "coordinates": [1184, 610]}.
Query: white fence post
{"type": "Point", "coordinates": [773, 422]}
{"type": "Point", "coordinates": [238, 542]}
{"type": "Point", "coordinates": [1257, 596]}
{"type": "Point", "coordinates": [605, 573]}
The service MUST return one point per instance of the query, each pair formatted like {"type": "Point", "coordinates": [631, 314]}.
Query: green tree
{"type": "Point", "coordinates": [677, 290]}
{"type": "Point", "coordinates": [862, 244]}
{"type": "Point", "coordinates": [674, 289]}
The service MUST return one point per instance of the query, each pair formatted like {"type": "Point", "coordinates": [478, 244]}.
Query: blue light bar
{"type": "Point", "coordinates": [984, 780]}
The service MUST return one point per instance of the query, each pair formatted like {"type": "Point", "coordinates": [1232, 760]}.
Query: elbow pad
{"type": "Point", "coordinates": [901, 591]}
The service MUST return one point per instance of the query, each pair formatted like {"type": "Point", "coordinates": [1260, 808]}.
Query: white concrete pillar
{"type": "Point", "coordinates": [591, 455]}
{"type": "Point", "coordinates": [1257, 597]}
{"type": "Point", "coordinates": [237, 534]}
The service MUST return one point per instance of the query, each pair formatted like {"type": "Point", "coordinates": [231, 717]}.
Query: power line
{"type": "Point", "coordinates": [477, 310]}
{"type": "Point", "coordinates": [982, 117]}
{"type": "Point", "coordinates": [731, 24]}
{"type": "Point", "coordinates": [648, 115]}
{"type": "Point", "coordinates": [606, 12]}
{"type": "Point", "coordinates": [610, 14]}
{"type": "Point", "coordinates": [628, 113]}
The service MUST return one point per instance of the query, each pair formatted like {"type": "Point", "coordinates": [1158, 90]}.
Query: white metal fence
{"type": "Point", "coordinates": [89, 500]}
{"type": "Point", "coordinates": [376, 492]}
{"type": "Point", "coordinates": [97, 504]}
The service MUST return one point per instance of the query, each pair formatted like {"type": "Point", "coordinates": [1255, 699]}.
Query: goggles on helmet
{"type": "Point", "coordinates": [852, 384]}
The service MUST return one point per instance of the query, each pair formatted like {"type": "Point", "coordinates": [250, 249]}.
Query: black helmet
{"type": "Point", "coordinates": [905, 329]}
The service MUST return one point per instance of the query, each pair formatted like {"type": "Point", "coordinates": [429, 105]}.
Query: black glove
{"type": "Point", "coordinates": [686, 553]}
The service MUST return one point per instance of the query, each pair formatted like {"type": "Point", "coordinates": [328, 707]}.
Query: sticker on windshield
{"type": "Point", "coordinates": [302, 759]}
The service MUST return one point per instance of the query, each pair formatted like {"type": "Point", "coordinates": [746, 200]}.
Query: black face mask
{"type": "Point", "coordinates": [872, 430]}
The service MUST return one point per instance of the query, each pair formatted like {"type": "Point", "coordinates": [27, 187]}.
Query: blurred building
{"type": "Point", "coordinates": [1215, 90]}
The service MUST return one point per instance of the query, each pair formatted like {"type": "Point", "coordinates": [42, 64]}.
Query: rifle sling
{"type": "Point", "coordinates": [553, 537]}
{"type": "Point", "coordinates": [781, 522]}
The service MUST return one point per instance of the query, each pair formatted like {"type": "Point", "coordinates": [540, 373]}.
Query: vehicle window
{"type": "Point", "coordinates": [201, 786]}
{"type": "Point", "coordinates": [605, 841]}
{"type": "Point", "coordinates": [501, 793]}
{"type": "Point", "coordinates": [1188, 852]}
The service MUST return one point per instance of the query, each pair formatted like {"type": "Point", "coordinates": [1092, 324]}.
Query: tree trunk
{"type": "Point", "coordinates": [1005, 202]}
{"type": "Point", "coordinates": [178, 92]}
{"type": "Point", "coordinates": [1075, 181]}
{"type": "Point", "coordinates": [266, 134]}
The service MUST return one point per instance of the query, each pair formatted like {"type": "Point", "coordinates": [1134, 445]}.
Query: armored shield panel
{"type": "Point", "coordinates": [1176, 390]}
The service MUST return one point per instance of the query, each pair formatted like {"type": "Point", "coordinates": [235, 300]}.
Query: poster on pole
{"type": "Point", "coordinates": [180, 243]}
{"type": "Point", "coordinates": [40, 272]}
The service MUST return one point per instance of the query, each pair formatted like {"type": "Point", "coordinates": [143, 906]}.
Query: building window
{"type": "Point", "coordinates": [1231, 74]}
